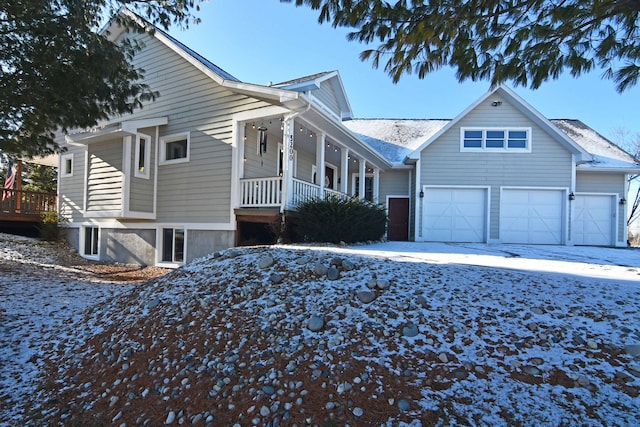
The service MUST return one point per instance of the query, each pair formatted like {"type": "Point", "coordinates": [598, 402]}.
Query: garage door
{"type": "Point", "coordinates": [454, 214]}
{"type": "Point", "coordinates": [592, 220]}
{"type": "Point", "coordinates": [531, 216]}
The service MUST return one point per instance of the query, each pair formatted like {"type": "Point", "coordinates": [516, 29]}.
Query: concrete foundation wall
{"type": "Point", "coordinates": [128, 246]}
{"type": "Point", "coordinates": [205, 242]}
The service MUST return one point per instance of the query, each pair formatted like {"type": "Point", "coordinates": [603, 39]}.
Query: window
{"type": "Point", "coordinates": [174, 148]}
{"type": "Point", "coordinates": [173, 245]}
{"type": "Point", "coordinates": [91, 235]}
{"type": "Point", "coordinates": [143, 154]}
{"type": "Point", "coordinates": [66, 165]}
{"type": "Point", "coordinates": [495, 139]}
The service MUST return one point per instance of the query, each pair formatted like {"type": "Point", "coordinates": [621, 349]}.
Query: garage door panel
{"type": "Point", "coordinates": [531, 216]}
{"type": "Point", "coordinates": [454, 215]}
{"type": "Point", "coordinates": [592, 220]}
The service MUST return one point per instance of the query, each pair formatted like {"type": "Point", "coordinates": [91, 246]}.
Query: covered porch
{"type": "Point", "coordinates": [287, 159]}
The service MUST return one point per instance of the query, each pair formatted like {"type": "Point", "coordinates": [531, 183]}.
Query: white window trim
{"type": "Point", "coordinates": [63, 163]}
{"type": "Point", "coordinates": [83, 236]}
{"type": "Point", "coordinates": [147, 154]}
{"type": "Point", "coordinates": [160, 246]}
{"type": "Point", "coordinates": [504, 149]}
{"type": "Point", "coordinates": [164, 140]}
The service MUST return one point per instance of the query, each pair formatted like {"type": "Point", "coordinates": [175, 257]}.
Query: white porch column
{"type": "Point", "coordinates": [363, 176]}
{"type": "Point", "coordinates": [376, 185]}
{"type": "Point", "coordinates": [287, 160]}
{"type": "Point", "coordinates": [344, 170]}
{"type": "Point", "coordinates": [320, 155]}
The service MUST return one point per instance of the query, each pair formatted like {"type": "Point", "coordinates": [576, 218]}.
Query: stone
{"type": "Point", "coordinates": [592, 345]}
{"type": "Point", "coordinates": [276, 278]}
{"type": "Point", "coordinates": [443, 357]}
{"type": "Point", "coordinates": [268, 390]}
{"type": "Point", "coordinates": [264, 411]}
{"type": "Point", "coordinates": [411, 330]}
{"type": "Point", "coordinates": [366, 297]}
{"type": "Point", "coordinates": [171, 417]}
{"type": "Point", "coordinates": [372, 284]}
{"type": "Point", "coordinates": [315, 323]}
{"type": "Point", "coordinates": [333, 273]}
{"type": "Point", "coordinates": [537, 310]}
{"type": "Point", "coordinates": [358, 412]}
{"type": "Point", "coordinates": [335, 261]}
{"type": "Point", "coordinates": [403, 405]}
{"type": "Point", "coordinates": [319, 269]}
{"type": "Point", "coordinates": [153, 303]}
{"type": "Point", "coordinates": [382, 284]}
{"type": "Point", "coordinates": [266, 262]}
{"type": "Point", "coordinates": [422, 301]}
{"type": "Point", "coordinates": [632, 350]}
{"type": "Point", "coordinates": [348, 265]}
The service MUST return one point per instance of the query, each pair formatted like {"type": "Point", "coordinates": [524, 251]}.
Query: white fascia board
{"type": "Point", "coordinates": [132, 126]}
{"type": "Point", "coordinates": [114, 130]}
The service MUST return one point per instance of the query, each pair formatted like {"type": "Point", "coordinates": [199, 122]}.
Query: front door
{"type": "Point", "coordinates": [398, 219]}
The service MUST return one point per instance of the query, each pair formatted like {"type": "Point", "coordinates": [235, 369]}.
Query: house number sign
{"type": "Point", "coordinates": [290, 147]}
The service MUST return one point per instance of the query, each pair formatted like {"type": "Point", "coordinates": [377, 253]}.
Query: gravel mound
{"type": "Point", "coordinates": [280, 336]}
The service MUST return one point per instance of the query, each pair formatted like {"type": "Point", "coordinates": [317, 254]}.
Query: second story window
{"type": "Point", "coordinates": [495, 139]}
{"type": "Point", "coordinates": [174, 148]}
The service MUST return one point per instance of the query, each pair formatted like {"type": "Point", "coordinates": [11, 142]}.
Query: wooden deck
{"type": "Point", "coordinates": [25, 206]}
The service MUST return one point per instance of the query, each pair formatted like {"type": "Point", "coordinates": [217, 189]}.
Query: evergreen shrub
{"type": "Point", "coordinates": [334, 220]}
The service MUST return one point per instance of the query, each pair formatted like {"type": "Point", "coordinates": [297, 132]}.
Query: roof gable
{"type": "Point", "coordinates": [327, 87]}
{"type": "Point", "coordinates": [520, 105]}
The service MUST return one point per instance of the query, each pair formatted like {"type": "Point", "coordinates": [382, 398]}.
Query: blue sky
{"type": "Point", "coordinates": [262, 41]}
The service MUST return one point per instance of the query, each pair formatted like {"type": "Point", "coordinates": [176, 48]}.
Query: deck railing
{"type": "Point", "coordinates": [17, 203]}
{"type": "Point", "coordinates": [267, 192]}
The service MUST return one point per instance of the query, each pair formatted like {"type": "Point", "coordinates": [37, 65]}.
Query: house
{"type": "Point", "coordinates": [214, 162]}
{"type": "Point", "coordinates": [500, 172]}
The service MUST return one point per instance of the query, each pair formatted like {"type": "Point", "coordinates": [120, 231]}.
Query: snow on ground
{"type": "Point", "coordinates": [407, 333]}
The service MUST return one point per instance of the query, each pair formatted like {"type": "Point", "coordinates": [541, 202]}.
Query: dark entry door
{"type": "Point", "coordinates": [398, 219]}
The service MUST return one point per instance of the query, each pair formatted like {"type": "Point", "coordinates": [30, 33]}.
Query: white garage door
{"type": "Point", "coordinates": [454, 214]}
{"type": "Point", "coordinates": [531, 216]}
{"type": "Point", "coordinates": [592, 220]}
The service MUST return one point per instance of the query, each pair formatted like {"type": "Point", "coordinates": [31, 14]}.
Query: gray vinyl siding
{"type": "Point", "coordinates": [105, 179]}
{"type": "Point", "coordinates": [260, 166]}
{"type": "Point", "coordinates": [141, 189]}
{"type": "Point", "coordinates": [548, 164]}
{"type": "Point", "coordinates": [611, 183]}
{"type": "Point", "coordinates": [71, 189]}
{"type": "Point", "coordinates": [198, 190]}
{"type": "Point", "coordinates": [393, 183]}
{"type": "Point", "coordinates": [327, 96]}
{"type": "Point", "coordinates": [306, 160]}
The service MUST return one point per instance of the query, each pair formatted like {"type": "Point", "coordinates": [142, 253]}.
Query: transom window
{"type": "Point", "coordinates": [495, 139]}
{"type": "Point", "coordinates": [174, 148]}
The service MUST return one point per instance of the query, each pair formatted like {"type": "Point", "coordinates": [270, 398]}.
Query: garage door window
{"type": "Point", "coordinates": [495, 139]}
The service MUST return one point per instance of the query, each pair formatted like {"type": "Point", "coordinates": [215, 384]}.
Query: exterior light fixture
{"type": "Point", "coordinates": [421, 194]}
{"type": "Point", "coordinates": [623, 201]}
{"type": "Point", "coordinates": [496, 103]}
{"type": "Point", "coordinates": [572, 196]}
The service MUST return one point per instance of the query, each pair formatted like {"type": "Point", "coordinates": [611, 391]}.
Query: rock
{"type": "Point", "coordinates": [153, 303]}
{"type": "Point", "coordinates": [382, 284]}
{"type": "Point", "coordinates": [348, 265]}
{"type": "Point", "coordinates": [592, 345]}
{"type": "Point", "coordinates": [422, 301]}
{"type": "Point", "coordinates": [366, 297]}
{"type": "Point", "coordinates": [537, 310]}
{"type": "Point", "coordinates": [443, 357]}
{"type": "Point", "coordinates": [266, 262]}
{"type": "Point", "coordinates": [268, 390]}
{"type": "Point", "coordinates": [411, 330]}
{"type": "Point", "coordinates": [319, 269]}
{"type": "Point", "coordinates": [264, 411]}
{"type": "Point", "coordinates": [403, 405]}
{"type": "Point", "coordinates": [633, 350]}
{"type": "Point", "coordinates": [372, 284]}
{"type": "Point", "coordinates": [171, 417]}
{"type": "Point", "coordinates": [531, 370]}
{"type": "Point", "coordinates": [276, 278]}
{"type": "Point", "coordinates": [333, 273]}
{"type": "Point", "coordinates": [335, 261]}
{"type": "Point", "coordinates": [315, 323]}
{"type": "Point", "coordinates": [358, 412]}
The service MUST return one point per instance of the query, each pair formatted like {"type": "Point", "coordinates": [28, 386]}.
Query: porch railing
{"type": "Point", "coordinates": [261, 192]}
{"type": "Point", "coordinates": [27, 203]}
{"type": "Point", "coordinates": [267, 192]}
